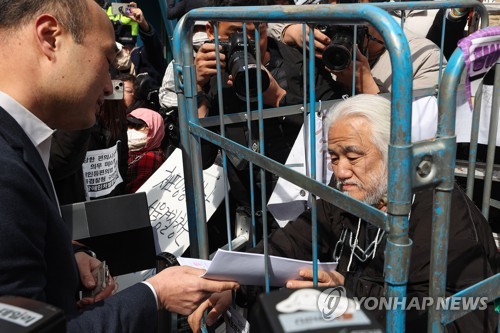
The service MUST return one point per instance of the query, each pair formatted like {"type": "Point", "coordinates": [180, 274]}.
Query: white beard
{"type": "Point", "coordinates": [372, 196]}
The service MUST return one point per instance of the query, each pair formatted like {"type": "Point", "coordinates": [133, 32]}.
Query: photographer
{"type": "Point", "coordinates": [282, 74]}
{"type": "Point", "coordinates": [373, 62]}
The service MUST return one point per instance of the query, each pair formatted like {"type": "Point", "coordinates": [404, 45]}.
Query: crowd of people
{"type": "Point", "coordinates": [97, 88]}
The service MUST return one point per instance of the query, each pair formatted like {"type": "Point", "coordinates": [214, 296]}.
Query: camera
{"type": "Point", "coordinates": [338, 55]}
{"type": "Point", "coordinates": [234, 50]}
{"type": "Point", "coordinates": [117, 91]}
{"type": "Point", "coordinates": [120, 8]}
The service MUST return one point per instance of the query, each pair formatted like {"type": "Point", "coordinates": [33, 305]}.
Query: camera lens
{"type": "Point", "coordinates": [337, 56]}
{"type": "Point", "coordinates": [236, 66]}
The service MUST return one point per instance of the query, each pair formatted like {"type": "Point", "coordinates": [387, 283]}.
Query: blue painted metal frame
{"type": "Point", "coordinates": [400, 194]}
{"type": "Point", "coordinates": [439, 250]}
{"type": "Point", "coordinates": [401, 154]}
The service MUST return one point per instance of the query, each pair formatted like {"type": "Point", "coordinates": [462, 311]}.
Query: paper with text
{"type": "Point", "coordinates": [248, 268]}
{"type": "Point", "coordinates": [100, 171]}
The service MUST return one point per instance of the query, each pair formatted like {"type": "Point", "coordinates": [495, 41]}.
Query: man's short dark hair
{"type": "Point", "coordinates": [72, 14]}
{"type": "Point", "coordinates": [232, 3]}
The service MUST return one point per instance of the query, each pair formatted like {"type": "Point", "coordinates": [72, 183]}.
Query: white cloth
{"type": "Point", "coordinates": [167, 95]}
{"type": "Point", "coordinates": [464, 116]}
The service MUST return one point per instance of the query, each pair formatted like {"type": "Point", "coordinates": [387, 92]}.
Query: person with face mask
{"type": "Point", "coordinates": [145, 134]}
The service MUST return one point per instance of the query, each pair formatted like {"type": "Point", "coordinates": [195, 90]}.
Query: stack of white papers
{"type": "Point", "coordinates": [248, 268]}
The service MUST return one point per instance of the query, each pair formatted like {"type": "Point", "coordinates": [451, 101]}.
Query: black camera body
{"type": "Point", "coordinates": [234, 50]}
{"type": "Point", "coordinates": [338, 55]}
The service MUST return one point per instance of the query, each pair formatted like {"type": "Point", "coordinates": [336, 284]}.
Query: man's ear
{"type": "Point", "coordinates": [47, 31]}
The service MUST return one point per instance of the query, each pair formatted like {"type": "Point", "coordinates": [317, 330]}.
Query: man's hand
{"type": "Point", "coordinates": [219, 303]}
{"type": "Point", "coordinates": [86, 265]}
{"type": "Point", "coordinates": [137, 15]}
{"type": "Point", "coordinates": [180, 289]}
{"type": "Point", "coordinates": [325, 279]}
{"type": "Point", "coordinates": [292, 35]}
{"type": "Point", "coordinates": [206, 64]}
{"type": "Point", "coordinates": [365, 83]}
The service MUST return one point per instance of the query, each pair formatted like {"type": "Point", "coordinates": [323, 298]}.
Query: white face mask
{"type": "Point", "coordinates": [123, 60]}
{"type": "Point", "coordinates": [136, 139]}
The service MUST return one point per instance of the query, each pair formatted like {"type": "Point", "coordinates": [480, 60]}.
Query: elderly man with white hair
{"type": "Point", "coordinates": [358, 138]}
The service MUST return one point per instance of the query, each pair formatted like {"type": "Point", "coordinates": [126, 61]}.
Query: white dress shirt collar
{"type": "Point", "coordinates": [38, 132]}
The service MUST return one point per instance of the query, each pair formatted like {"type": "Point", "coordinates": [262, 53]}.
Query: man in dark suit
{"type": "Point", "coordinates": [54, 75]}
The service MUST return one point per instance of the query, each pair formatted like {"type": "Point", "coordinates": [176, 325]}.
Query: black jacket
{"type": "Point", "coordinates": [148, 58]}
{"type": "Point", "coordinates": [472, 254]}
{"type": "Point", "coordinates": [67, 153]}
{"type": "Point", "coordinates": [36, 255]}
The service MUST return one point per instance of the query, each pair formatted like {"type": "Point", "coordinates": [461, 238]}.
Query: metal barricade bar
{"type": "Point", "coordinates": [439, 250]}
{"type": "Point", "coordinates": [399, 195]}
{"type": "Point", "coordinates": [403, 156]}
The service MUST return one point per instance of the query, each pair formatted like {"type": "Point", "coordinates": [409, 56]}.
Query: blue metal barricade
{"type": "Point", "coordinates": [446, 131]}
{"type": "Point", "coordinates": [404, 156]}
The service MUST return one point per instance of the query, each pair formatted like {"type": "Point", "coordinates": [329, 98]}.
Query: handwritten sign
{"type": "Point", "coordinates": [100, 171]}
{"type": "Point", "coordinates": [167, 202]}
{"type": "Point", "coordinates": [166, 196]}
{"type": "Point", "coordinates": [481, 51]}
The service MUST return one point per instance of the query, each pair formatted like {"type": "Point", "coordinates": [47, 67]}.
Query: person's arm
{"type": "Point", "coordinates": [167, 95]}
{"type": "Point", "coordinates": [181, 289]}
{"type": "Point", "coordinates": [152, 49]}
{"type": "Point", "coordinates": [292, 241]}
{"type": "Point", "coordinates": [275, 30]}
{"type": "Point", "coordinates": [137, 15]}
{"type": "Point", "coordinates": [205, 63]}
{"type": "Point", "coordinates": [292, 35]}
{"type": "Point", "coordinates": [425, 59]}
{"type": "Point", "coordinates": [456, 20]}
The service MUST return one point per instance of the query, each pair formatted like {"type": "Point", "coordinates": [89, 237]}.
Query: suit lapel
{"type": "Point", "coordinates": [12, 132]}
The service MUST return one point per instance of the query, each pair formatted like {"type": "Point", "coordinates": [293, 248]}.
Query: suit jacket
{"type": "Point", "coordinates": [36, 255]}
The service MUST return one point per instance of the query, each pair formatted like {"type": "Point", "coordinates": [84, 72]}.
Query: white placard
{"type": "Point", "coordinates": [167, 202]}
{"type": "Point", "coordinates": [100, 171]}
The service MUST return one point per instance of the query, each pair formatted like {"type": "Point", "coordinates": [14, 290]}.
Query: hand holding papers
{"type": "Point", "coordinates": [248, 268]}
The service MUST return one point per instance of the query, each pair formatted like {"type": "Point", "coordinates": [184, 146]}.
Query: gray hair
{"type": "Point", "coordinates": [375, 109]}
{"type": "Point", "coordinates": [72, 14]}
